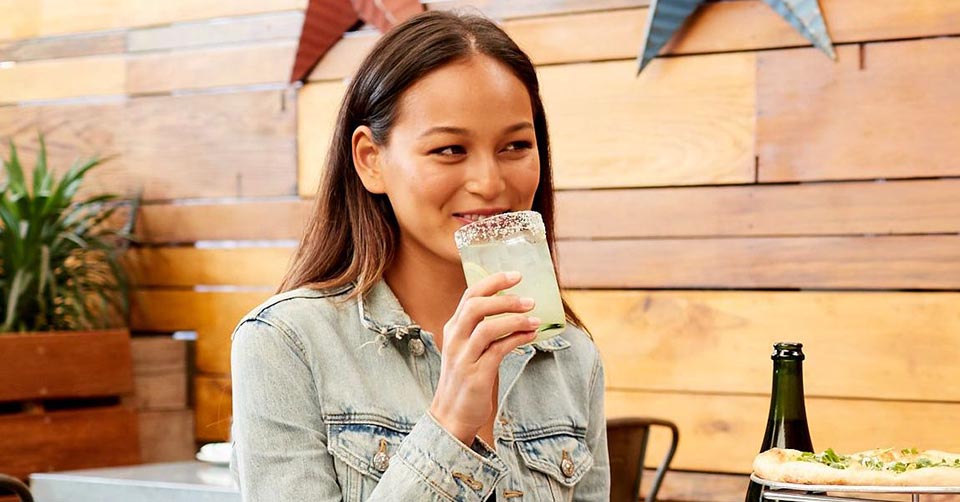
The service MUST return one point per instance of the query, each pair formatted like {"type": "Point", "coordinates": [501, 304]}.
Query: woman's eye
{"type": "Point", "coordinates": [449, 150]}
{"type": "Point", "coordinates": [518, 145]}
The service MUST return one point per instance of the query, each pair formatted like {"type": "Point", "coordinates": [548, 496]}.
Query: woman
{"type": "Point", "coordinates": [376, 374]}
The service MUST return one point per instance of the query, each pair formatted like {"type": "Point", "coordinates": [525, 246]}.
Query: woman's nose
{"type": "Point", "coordinates": [485, 178]}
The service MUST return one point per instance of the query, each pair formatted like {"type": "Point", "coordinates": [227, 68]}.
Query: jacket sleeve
{"type": "Point", "coordinates": [432, 464]}
{"type": "Point", "coordinates": [279, 439]}
{"type": "Point", "coordinates": [280, 443]}
{"type": "Point", "coordinates": [595, 485]}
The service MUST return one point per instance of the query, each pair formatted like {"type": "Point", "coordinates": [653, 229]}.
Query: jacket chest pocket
{"type": "Point", "coordinates": [558, 462]}
{"type": "Point", "coordinates": [363, 452]}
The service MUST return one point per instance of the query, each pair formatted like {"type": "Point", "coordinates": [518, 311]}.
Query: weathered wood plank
{"type": "Point", "coordinates": [227, 145]}
{"type": "Point", "coordinates": [616, 34]}
{"type": "Point", "coordinates": [865, 345]}
{"type": "Point", "coordinates": [887, 120]}
{"type": "Point", "coordinates": [847, 20]}
{"type": "Point", "coordinates": [70, 46]}
{"type": "Point", "coordinates": [157, 354]}
{"type": "Point", "coordinates": [160, 391]}
{"type": "Point", "coordinates": [31, 18]}
{"type": "Point", "coordinates": [344, 57]}
{"type": "Point", "coordinates": [683, 486]}
{"type": "Point", "coordinates": [691, 122]}
{"type": "Point", "coordinates": [21, 19]}
{"type": "Point", "coordinates": [214, 407]}
{"type": "Point", "coordinates": [510, 9]}
{"type": "Point", "coordinates": [317, 108]}
{"type": "Point", "coordinates": [722, 433]}
{"type": "Point", "coordinates": [888, 262]}
{"type": "Point", "coordinates": [258, 220]}
{"type": "Point", "coordinates": [896, 262]}
{"type": "Point", "coordinates": [89, 76]}
{"type": "Point", "coordinates": [67, 440]}
{"type": "Point", "coordinates": [159, 373]}
{"type": "Point", "coordinates": [930, 206]}
{"type": "Point", "coordinates": [148, 73]}
{"type": "Point", "coordinates": [857, 208]}
{"type": "Point", "coordinates": [693, 341]}
{"type": "Point", "coordinates": [187, 267]}
{"type": "Point", "coordinates": [166, 436]}
{"type": "Point", "coordinates": [263, 63]}
{"type": "Point", "coordinates": [259, 28]}
{"type": "Point", "coordinates": [65, 365]}
{"type": "Point", "coordinates": [213, 315]}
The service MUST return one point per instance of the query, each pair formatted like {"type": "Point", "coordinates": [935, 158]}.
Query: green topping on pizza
{"type": "Point", "coordinates": [921, 463]}
{"type": "Point", "coordinates": [830, 458]}
{"type": "Point", "coordinates": [872, 463]}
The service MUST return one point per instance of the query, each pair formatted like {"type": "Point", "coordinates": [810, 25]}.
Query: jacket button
{"type": "Point", "coordinates": [416, 347]}
{"type": "Point", "coordinates": [468, 480]}
{"type": "Point", "coordinates": [381, 460]}
{"type": "Point", "coordinates": [566, 465]}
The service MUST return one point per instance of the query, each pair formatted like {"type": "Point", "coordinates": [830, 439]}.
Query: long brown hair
{"type": "Point", "coordinates": [352, 234]}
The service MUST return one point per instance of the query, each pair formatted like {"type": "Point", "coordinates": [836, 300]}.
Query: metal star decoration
{"type": "Point", "coordinates": [666, 17]}
{"type": "Point", "coordinates": [327, 20]}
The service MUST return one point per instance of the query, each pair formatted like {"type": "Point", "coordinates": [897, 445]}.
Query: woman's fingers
{"type": "Point", "coordinates": [491, 358]}
{"type": "Point", "coordinates": [474, 310]}
{"type": "Point", "coordinates": [489, 286]}
{"type": "Point", "coordinates": [490, 330]}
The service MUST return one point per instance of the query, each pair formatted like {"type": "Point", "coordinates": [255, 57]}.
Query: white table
{"type": "Point", "coordinates": [170, 482]}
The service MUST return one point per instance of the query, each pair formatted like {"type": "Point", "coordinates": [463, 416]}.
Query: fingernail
{"type": "Point", "coordinates": [513, 276]}
{"type": "Point", "coordinates": [527, 303]}
{"type": "Point", "coordinates": [534, 322]}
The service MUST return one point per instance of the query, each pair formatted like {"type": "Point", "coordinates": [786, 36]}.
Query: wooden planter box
{"type": "Point", "coordinates": [60, 401]}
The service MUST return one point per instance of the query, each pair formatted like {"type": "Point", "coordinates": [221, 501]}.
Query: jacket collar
{"type": "Point", "coordinates": [381, 313]}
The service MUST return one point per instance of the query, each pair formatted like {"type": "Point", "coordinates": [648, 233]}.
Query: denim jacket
{"type": "Point", "coordinates": [330, 401]}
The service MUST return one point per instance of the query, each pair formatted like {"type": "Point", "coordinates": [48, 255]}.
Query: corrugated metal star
{"type": "Point", "coordinates": [326, 21]}
{"type": "Point", "coordinates": [666, 17]}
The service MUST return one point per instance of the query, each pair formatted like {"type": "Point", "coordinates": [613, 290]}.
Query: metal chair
{"type": "Point", "coordinates": [627, 442]}
{"type": "Point", "coordinates": [10, 484]}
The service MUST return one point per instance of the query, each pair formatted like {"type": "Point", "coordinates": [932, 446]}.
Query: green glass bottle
{"type": "Point", "coordinates": [787, 420]}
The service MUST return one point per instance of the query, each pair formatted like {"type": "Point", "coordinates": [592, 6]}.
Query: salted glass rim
{"type": "Point", "coordinates": [499, 227]}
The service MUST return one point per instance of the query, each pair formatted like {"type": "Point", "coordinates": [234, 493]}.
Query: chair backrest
{"type": "Point", "coordinates": [9, 484]}
{"type": "Point", "coordinates": [627, 442]}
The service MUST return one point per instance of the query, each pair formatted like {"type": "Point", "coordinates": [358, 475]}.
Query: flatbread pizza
{"type": "Point", "coordinates": [880, 467]}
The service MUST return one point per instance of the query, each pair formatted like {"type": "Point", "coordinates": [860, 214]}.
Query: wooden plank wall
{"type": "Point", "coordinates": [743, 190]}
{"type": "Point", "coordinates": [191, 99]}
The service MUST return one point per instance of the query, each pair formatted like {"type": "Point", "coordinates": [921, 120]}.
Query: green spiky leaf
{"type": "Point", "coordinates": [60, 263]}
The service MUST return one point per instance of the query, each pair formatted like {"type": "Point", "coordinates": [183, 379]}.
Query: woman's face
{"type": "Point", "coordinates": [463, 146]}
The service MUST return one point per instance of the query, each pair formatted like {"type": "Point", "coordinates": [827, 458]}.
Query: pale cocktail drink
{"type": "Point", "coordinates": [515, 242]}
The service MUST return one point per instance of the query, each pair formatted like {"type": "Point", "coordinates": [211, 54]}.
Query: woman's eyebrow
{"type": "Point", "coordinates": [519, 126]}
{"type": "Point", "coordinates": [464, 132]}
{"type": "Point", "coordinates": [445, 129]}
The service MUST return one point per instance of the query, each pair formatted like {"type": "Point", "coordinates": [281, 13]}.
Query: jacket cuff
{"type": "Point", "coordinates": [457, 471]}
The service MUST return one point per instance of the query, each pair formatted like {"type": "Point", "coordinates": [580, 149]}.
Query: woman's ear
{"type": "Point", "coordinates": [367, 159]}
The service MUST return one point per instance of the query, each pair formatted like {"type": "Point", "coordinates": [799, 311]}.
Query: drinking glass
{"type": "Point", "coordinates": [515, 241]}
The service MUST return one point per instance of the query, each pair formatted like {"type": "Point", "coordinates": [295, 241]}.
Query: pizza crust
{"type": "Point", "coordinates": [781, 465]}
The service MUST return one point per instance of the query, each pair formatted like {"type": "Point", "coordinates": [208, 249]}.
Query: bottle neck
{"type": "Point", "coordinates": [786, 402]}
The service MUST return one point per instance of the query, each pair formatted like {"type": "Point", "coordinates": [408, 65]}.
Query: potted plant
{"type": "Point", "coordinates": [65, 359]}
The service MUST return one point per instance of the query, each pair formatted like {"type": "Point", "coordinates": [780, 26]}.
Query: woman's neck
{"type": "Point", "coordinates": [428, 288]}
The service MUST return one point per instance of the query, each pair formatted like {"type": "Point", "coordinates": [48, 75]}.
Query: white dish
{"type": "Point", "coordinates": [215, 453]}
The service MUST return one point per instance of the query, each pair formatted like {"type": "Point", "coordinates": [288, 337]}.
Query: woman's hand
{"type": "Point", "coordinates": [473, 348]}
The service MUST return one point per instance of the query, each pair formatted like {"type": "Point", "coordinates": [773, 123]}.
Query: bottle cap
{"type": "Point", "coordinates": [788, 350]}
